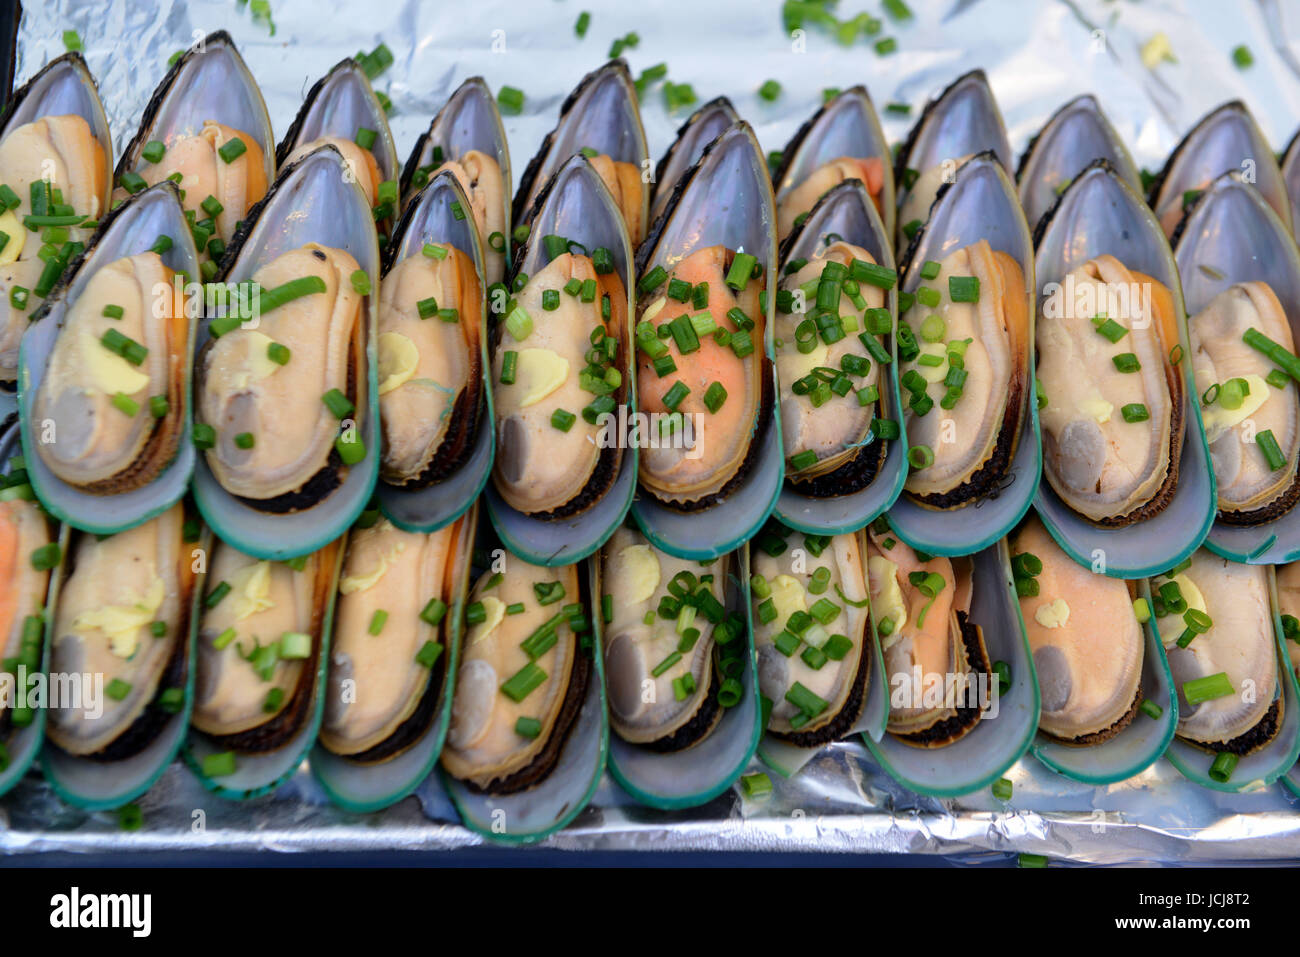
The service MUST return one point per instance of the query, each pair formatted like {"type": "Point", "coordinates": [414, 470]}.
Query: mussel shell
{"type": "Point", "coordinates": [724, 200]}
{"type": "Point", "coordinates": [995, 743]}
{"type": "Point", "coordinates": [130, 229]}
{"type": "Point", "coordinates": [700, 129]}
{"type": "Point", "coordinates": [980, 205]}
{"type": "Point", "coordinates": [1226, 139]}
{"type": "Point", "coordinates": [846, 125]}
{"type": "Point", "coordinates": [337, 105]}
{"type": "Point", "coordinates": [602, 113]}
{"type": "Point", "coordinates": [856, 492]}
{"type": "Point", "coordinates": [1076, 136]}
{"type": "Point", "coordinates": [1291, 176]}
{"type": "Point", "coordinates": [22, 743]}
{"type": "Point", "coordinates": [310, 202]}
{"type": "Point", "coordinates": [64, 86]}
{"type": "Point", "coordinates": [210, 81]}
{"type": "Point", "coordinates": [463, 468]}
{"type": "Point", "coordinates": [962, 121]}
{"type": "Point", "coordinates": [575, 204]}
{"type": "Point", "coordinates": [1211, 258]}
{"type": "Point", "coordinates": [1101, 214]}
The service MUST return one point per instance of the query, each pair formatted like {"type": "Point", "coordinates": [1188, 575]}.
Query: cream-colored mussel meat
{"type": "Point", "coordinates": [936, 666]}
{"type": "Point", "coordinates": [1288, 606]}
{"type": "Point", "coordinates": [257, 646]}
{"type": "Point", "coordinates": [430, 367]}
{"type": "Point", "coordinates": [922, 192]}
{"type": "Point", "coordinates": [1252, 425]}
{"type": "Point", "coordinates": [1085, 639]}
{"type": "Point", "coordinates": [1226, 674]}
{"type": "Point", "coordinates": [810, 631]}
{"type": "Point", "coordinates": [964, 385]}
{"type": "Point", "coordinates": [386, 640]}
{"type": "Point", "coordinates": [803, 196]}
{"type": "Point", "coordinates": [221, 175]}
{"type": "Point", "coordinates": [110, 408]}
{"type": "Point", "coordinates": [549, 453]}
{"type": "Point", "coordinates": [661, 672]}
{"type": "Point", "coordinates": [123, 615]}
{"type": "Point", "coordinates": [360, 162]}
{"type": "Point", "coordinates": [63, 151]}
{"type": "Point", "coordinates": [271, 389]}
{"type": "Point", "coordinates": [521, 681]}
{"type": "Point", "coordinates": [479, 175]}
{"type": "Point", "coordinates": [1112, 422]}
{"type": "Point", "coordinates": [823, 430]}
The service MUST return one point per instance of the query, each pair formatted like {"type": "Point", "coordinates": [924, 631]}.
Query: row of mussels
{"type": "Point", "coordinates": [815, 551]}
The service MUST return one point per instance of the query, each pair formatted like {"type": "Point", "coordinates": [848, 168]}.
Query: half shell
{"type": "Point", "coordinates": [116, 590]}
{"type": "Point", "coordinates": [104, 400]}
{"type": "Point", "coordinates": [700, 129]}
{"type": "Point", "coordinates": [601, 118]}
{"type": "Point", "coordinates": [1086, 643]}
{"type": "Point", "coordinates": [207, 100]}
{"type": "Point", "coordinates": [305, 475]}
{"type": "Point", "coordinates": [467, 139]}
{"type": "Point", "coordinates": [811, 633]}
{"type": "Point", "coordinates": [1239, 644]}
{"type": "Point", "coordinates": [522, 678]}
{"type": "Point", "coordinates": [1076, 136]}
{"type": "Point", "coordinates": [959, 123]}
{"type": "Point", "coordinates": [56, 116]}
{"type": "Point", "coordinates": [1229, 290]}
{"type": "Point", "coordinates": [1227, 139]}
{"type": "Point", "coordinates": [841, 141]}
{"type": "Point", "coordinates": [342, 111]}
{"type": "Point", "coordinates": [715, 240]}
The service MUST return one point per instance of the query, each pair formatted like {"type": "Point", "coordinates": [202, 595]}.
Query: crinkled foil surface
{"type": "Point", "coordinates": [1037, 53]}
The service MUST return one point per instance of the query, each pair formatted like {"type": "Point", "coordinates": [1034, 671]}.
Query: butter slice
{"type": "Point", "coordinates": [256, 364]}
{"type": "Point", "coordinates": [1190, 592]}
{"type": "Point", "coordinates": [495, 610]}
{"type": "Point", "coordinates": [122, 623]}
{"type": "Point", "coordinates": [538, 373]}
{"type": "Point", "coordinates": [9, 224]}
{"type": "Point", "coordinates": [1218, 420]}
{"type": "Point", "coordinates": [788, 596]}
{"type": "Point", "coordinates": [251, 586]}
{"type": "Point", "coordinates": [1096, 408]}
{"type": "Point", "coordinates": [398, 358]}
{"type": "Point", "coordinates": [1053, 614]}
{"type": "Point", "coordinates": [365, 580]}
{"type": "Point", "coordinates": [642, 573]}
{"type": "Point", "coordinates": [107, 371]}
{"type": "Point", "coordinates": [889, 602]}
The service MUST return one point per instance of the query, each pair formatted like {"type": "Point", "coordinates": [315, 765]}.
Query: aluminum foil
{"type": "Point", "coordinates": [1037, 56]}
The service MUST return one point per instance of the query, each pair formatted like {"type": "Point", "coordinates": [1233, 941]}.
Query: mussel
{"type": "Point", "coordinates": [206, 128]}
{"type": "Point", "coordinates": [560, 356]}
{"type": "Point", "coordinates": [1113, 417]}
{"type": "Point", "coordinates": [391, 635]}
{"type": "Point", "coordinates": [701, 323]}
{"type": "Point", "coordinates": [842, 141]}
{"type": "Point", "coordinates": [833, 320]}
{"type": "Point", "coordinates": [430, 357]}
{"type": "Point", "coordinates": [1227, 139]}
{"type": "Point", "coordinates": [1243, 348]}
{"type": "Point", "coordinates": [1215, 619]}
{"type": "Point", "coordinates": [55, 118]}
{"type": "Point", "coordinates": [601, 119]}
{"type": "Point", "coordinates": [24, 581]}
{"type": "Point", "coordinates": [669, 623]}
{"type": "Point", "coordinates": [522, 678]}
{"type": "Point", "coordinates": [963, 348]}
{"type": "Point", "coordinates": [937, 668]}
{"type": "Point", "coordinates": [259, 642]}
{"type": "Point", "coordinates": [959, 123]}
{"type": "Point", "coordinates": [1085, 639]}
{"type": "Point", "coordinates": [811, 632]}
{"type": "Point", "coordinates": [466, 139]}
{"type": "Point", "coordinates": [123, 617]}
{"type": "Point", "coordinates": [1288, 607]}
{"type": "Point", "coordinates": [342, 111]}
